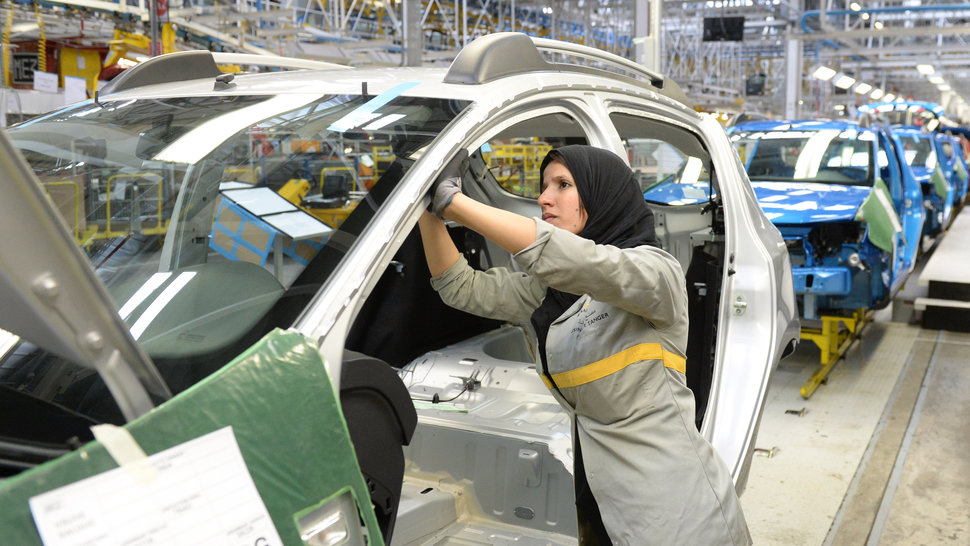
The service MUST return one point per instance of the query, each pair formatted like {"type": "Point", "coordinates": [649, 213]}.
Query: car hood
{"type": "Point", "coordinates": [809, 202]}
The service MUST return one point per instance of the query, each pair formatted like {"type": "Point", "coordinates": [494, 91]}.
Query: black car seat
{"type": "Point", "coordinates": [381, 419]}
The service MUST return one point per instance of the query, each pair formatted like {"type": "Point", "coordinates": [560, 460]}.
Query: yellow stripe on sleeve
{"type": "Point", "coordinates": [615, 363]}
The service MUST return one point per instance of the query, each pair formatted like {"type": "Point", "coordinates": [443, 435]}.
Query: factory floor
{"type": "Point", "coordinates": [880, 453]}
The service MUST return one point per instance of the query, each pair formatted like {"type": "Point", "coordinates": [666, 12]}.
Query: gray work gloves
{"type": "Point", "coordinates": [448, 183]}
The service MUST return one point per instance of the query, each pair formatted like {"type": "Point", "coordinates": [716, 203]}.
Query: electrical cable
{"type": "Point", "coordinates": [435, 399]}
{"type": "Point", "coordinates": [470, 384]}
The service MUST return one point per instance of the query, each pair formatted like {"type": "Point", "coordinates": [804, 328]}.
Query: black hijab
{"type": "Point", "coordinates": [616, 213]}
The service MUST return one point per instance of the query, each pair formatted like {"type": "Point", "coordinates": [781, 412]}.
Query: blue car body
{"type": "Point", "coordinates": [955, 165]}
{"type": "Point", "coordinates": [922, 151]}
{"type": "Point", "coordinates": [852, 218]}
{"type": "Point", "coordinates": [918, 125]}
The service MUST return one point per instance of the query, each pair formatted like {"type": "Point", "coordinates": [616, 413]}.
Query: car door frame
{"type": "Point", "coordinates": [331, 313]}
{"type": "Point", "coordinates": [749, 313]}
{"type": "Point", "coordinates": [909, 209]}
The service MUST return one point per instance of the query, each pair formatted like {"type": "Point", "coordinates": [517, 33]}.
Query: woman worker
{"type": "Point", "coordinates": [609, 309]}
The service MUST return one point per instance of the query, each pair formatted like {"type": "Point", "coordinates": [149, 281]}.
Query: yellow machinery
{"type": "Point", "coordinates": [296, 190]}
{"type": "Point", "coordinates": [325, 170]}
{"type": "Point", "coordinates": [130, 45]}
{"type": "Point", "coordinates": [833, 339]}
{"type": "Point", "coordinates": [383, 158]}
{"type": "Point", "coordinates": [516, 166]}
{"type": "Point", "coordinates": [79, 63]}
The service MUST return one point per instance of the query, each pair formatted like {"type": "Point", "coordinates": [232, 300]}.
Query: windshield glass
{"type": "Point", "coordinates": [212, 220]}
{"type": "Point", "coordinates": [828, 156]}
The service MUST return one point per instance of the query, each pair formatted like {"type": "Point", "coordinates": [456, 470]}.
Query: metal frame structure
{"type": "Point", "coordinates": [877, 42]}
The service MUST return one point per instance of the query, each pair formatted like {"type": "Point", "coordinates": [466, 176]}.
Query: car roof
{"type": "Point", "coordinates": [902, 105]}
{"type": "Point", "coordinates": [493, 68]}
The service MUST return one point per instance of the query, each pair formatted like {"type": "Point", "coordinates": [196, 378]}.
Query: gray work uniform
{"type": "Point", "coordinates": [616, 361]}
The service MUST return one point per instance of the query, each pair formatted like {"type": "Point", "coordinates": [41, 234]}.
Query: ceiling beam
{"type": "Point", "coordinates": [887, 32]}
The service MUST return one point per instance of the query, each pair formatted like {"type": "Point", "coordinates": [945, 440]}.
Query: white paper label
{"type": "Point", "coordinates": [203, 494]}
{"type": "Point", "coordinates": [45, 81]}
{"type": "Point", "coordinates": [75, 89]}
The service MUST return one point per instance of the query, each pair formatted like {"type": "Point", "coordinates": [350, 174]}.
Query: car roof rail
{"type": "Point", "coordinates": [171, 67]}
{"type": "Point", "coordinates": [275, 61]}
{"type": "Point", "coordinates": [503, 54]}
{"type": "Point", "coordinates": [192, 65]}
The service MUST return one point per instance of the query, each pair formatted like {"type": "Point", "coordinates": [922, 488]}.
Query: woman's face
{"type": "Point", "coordinates": [560, 202]}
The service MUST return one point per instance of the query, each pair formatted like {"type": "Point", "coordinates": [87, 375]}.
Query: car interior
{"type": "Point", "coordinates": [403, 319]}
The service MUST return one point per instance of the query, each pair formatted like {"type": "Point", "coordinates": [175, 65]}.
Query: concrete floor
{"type": "Point", "coordinates": [880, 453]}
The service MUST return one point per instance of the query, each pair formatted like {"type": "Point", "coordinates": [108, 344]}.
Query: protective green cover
{"type": "Point", "coordinates": [961, 171]}
{"type": "Point", "coordinates": [878, 212]}
{"type": "Point", "coordinates": [939, 182]}
{"type": "Point", "coordinates": [279, 400]}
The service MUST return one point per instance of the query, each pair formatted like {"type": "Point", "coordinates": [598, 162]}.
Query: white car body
{"type": "Point", "coordinates": [496, 458]}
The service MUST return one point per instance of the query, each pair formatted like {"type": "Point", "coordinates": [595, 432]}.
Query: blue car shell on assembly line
{"type": "Point", "coordinates": [845, 202]}
{"type": "Point", "coordinates": [921, 128]}
{"type": "Point", "coordinates": [954, 165]}
{"type": "Point", "coordinates": [922, 152]}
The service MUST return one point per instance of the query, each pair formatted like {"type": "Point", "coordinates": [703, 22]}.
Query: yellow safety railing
{"type": "Point", "coordinates": [138, 179]}
{"type": "Point", "coordinates": [248, 175]}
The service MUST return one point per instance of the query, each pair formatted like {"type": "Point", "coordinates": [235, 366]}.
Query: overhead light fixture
{"type": "Point", "coordinates": [824, 73]}
{"type": "Point", "coordinates": [862, 88]}
{"type": "Point", "coordinates": [23, 27]}
{"type": "Point", "coordinates": [844, 81]}
{"type": "Point", "coordinates": [877, 25]}
{"type": "Point", "coordinates": [889, 97]}
{"type": "Point", "coordinates": [925, 69]}
{"type": "Point", "coordinates": [854, 6]}
{"type": "Point", "coordinates": [943, 87]}
{"type": "Point", "coordinates": [865, 16]}
{"type": "Point", "coordinates": [876, 94]}
{"type": "Point", "coordinates": [839, 107]}
{"type": "Point", "coordinates": [937, 80]}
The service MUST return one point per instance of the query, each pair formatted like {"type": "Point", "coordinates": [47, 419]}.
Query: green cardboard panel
{"type": "Point", "coordinates": [878, 212]}
{"type": "Point", "coordinates": [287, 420]}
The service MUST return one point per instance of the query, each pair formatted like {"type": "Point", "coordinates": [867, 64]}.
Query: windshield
{"type": "Point", "coordinates": [212, 220]}
{"type": "Point", "coordinates": [828, 156]}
